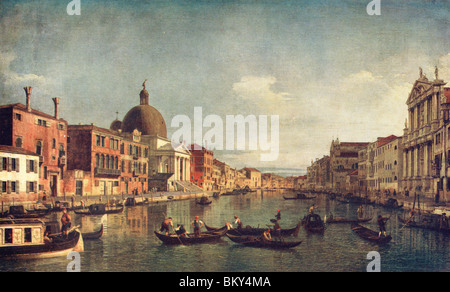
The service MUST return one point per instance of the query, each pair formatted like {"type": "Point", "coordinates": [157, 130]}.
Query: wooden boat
{"type": "Point", "coordinates": [299, 197]}
{"type": "Point", "coordinates": [100, 209]}
{"type": "Point", "coordinates": [93, 235]}
{"type": "Point", "coordinates": [370, 235]}
{"type": "Point", "coordinates": [313, 223]}
{"type": "Point", "coordinates": [345, 220]}
{"type": "Point", "coordinates": [258, 231]}
{"type": "Point", "coordinates": [203, 201]}
{"type": "Point", "coordinates": [425, 221]}
{"type": "Point", "coordinates": [392, 204]}
{"type": "Point", "coordinates": [24, 239]}
{"type": "Point", "coordinates": [131, 201]}
{"type": "Point", "coordinates": [18, 212]}
{"type": "Point", "coordinates": [255, 241]}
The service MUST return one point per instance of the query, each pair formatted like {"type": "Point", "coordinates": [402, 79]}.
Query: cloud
{"type": "Point", "coordinates": [258, 89]}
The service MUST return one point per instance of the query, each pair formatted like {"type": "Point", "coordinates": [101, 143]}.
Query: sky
{"type": "Point", "coordinates": [326, 68]}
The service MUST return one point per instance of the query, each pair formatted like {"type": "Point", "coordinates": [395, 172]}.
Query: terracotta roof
{"type": "Point", "coordinates": [384, 140]}
{"type": "Point", "coordinates": [23, 107]}
{"type": "Point", "coordinates": [16, 150]}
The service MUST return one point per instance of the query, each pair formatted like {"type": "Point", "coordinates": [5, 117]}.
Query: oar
{"type": "Point", "coordinates": [177, 235]}
{"type": "Point", "coordinates": [409, 220]}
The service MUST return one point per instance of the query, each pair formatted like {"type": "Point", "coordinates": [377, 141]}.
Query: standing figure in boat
{"type": "Point", "coordinates": [65, 222]}
{"type": "Point", "coordinates": [381, 221]}
{"type": "Point", "coordinates": [197, 224]}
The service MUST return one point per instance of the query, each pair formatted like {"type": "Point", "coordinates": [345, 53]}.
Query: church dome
{"type": "Point", "coordinates": [116, 125]}
{"type": "Point", "coordinates": [145, 118]}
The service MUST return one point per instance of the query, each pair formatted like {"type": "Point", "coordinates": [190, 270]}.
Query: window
{"type": "Point", "coordinates": [18, 117]}
{"type": "Point", "coordinates": [61, 150]}
{"type": "Point", "coordinates": [54, 143]}
{"type": "Point", "coordinates": [27, 237]}
{"type": "Point", "coordinates": [39, 147]}
{"type": "Point", "coordinates": [79, 187]}
{"type": "Point", "coordinates": [97, 140]}
{"type": "Point", "coordinates": [19, 142]}
{"type": "Point", "coordinates": [8, 235]}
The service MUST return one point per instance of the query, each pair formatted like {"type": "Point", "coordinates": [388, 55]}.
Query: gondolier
{"type": "Point", "coordinates": [165, 225]}
{"type": "Point", "coordinates": [381, 221]}
{"type": "Point", "coordinates": [238, 222]}
{"type": "Point", "coordinates": [197, 224]}
{"type": "Point", "coordinates": [65, 222]}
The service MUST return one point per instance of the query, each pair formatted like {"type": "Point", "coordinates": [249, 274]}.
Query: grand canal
{"type": "Point", "coordinates": [129, 244]}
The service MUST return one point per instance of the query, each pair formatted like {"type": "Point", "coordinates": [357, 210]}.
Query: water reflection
{"type": "Point", "coordinates": [129, 244]}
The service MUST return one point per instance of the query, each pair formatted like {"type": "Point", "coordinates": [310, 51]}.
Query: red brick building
{"type": "Point", "coordinates": [102, 162]}
{"type": "Point", "coordinates": [41, 133]}
{"type": "Point", "coordinates": [202, 167]}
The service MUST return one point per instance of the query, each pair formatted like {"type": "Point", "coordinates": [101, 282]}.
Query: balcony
{"type": "Point", "coordinates": [106, 172]}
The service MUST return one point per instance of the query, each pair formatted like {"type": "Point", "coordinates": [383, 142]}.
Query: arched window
{"type": "Point", "coordinates": [19, 142]}
{"type": "Point", "coordinates": [107, 161]}
{"type": "Point", "coordinates": [117, 163]}
{"type": "Point", "coordinates": [102, 161]}
{"type": "Point", "coordinates": [97, 160]}
{"type": "Point", "coordinates": [112, 162]}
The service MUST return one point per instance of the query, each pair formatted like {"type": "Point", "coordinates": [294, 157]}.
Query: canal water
{"type": "Point", "coordinates": [129, 244]}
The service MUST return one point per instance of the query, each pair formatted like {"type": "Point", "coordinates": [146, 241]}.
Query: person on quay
{"type": "Point", "coordinates": [197, 224]}
{"type": "Point", "coordinates": [65, 222]}
{"type": "Point", "coordinates": [381, 221]}
{"type": "Point", "coordinates": [165, 225]}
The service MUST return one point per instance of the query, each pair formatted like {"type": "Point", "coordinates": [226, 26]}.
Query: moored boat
{"type": "Point", "coordinates": [93, 235]}
{"type": "Point", "coordinates": [370, 235]}
{"type": "Point", "coordinates": [203, 201]}
{"type": "Point", "coordinates": [345, 220]}
{"type": "Point", "coordinates": [100, 209]}
{"type": "Point", "coordinates": [299, 196]}
{"type": "Point", "coordinates": [26, 239]}
{"type": "Point", "coordinates": [255, 241]}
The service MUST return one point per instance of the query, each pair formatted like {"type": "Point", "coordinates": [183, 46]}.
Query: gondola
{"type": "Point", "coordinates": [18, 212]}
{"type": "Point", "coordinates": [430, 221]}
{"type": "Point", "coordinates": [33, 244]}
{"type": "Point", "coordinates": [313, 223]}
{"type": "Point", "coordinates": [299, 197]}
{"type": "Point", "coordinates": [93, 235]}
{"type": "Point", "coordinates": [255, 241]}
{"type": "Point", "coordinates": [203, 201]}
{"type": "Point", "coordinates": [100, 209]}
{"type": "Point", "coordinates": [258, 231]}
{"type": "Point", "coordinates": [345, 220]}
{"type": "Point", "coordinates": [205, 237]}
{"type": "Point", "coordinates": [370, 235]}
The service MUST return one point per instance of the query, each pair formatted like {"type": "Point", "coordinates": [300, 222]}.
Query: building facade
{"type": "Point", "coordinates": [46, 135]}
{"type": "Point", "coordinates": [425, 138]}
{"type": "Point", "coordinates": [19, 174]}
{"type": "Point", "coordinates": [202, 167]}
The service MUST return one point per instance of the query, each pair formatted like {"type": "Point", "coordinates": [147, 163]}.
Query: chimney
{"type": "Point", "coordinates": [28, 93]}
{"type": "Point", "coordinates": [56, 101]}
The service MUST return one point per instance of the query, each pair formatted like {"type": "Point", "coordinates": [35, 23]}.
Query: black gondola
{"type": "Point", "coordinates": [190, 238]}
{"type": "Point", "coordinates": [100, 209]}
{"type": "Point", "coordinates": [370, 235]}
{"type": "Point", "coordinates": [255, 241]}
{"type": "Point", "coordinates": [93, 235]}
{"type": "Point", "coordinates": [313, 223]}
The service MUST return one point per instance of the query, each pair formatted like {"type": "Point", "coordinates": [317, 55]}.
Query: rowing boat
{"type": "Point", "coordinates": [369, 234]}
{"type": "Point", "coordinates": [345, 220]}
{"type": "Point", "coordinates": [257, 231]}
{"type": "Point", "coordinates": [190, 238]}
{"type": "Point", "coordinates": [255, 241]}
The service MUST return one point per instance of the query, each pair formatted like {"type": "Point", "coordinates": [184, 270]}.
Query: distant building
{"type": "Point", "coordinates": [343, 160]}
{"type": "Point", "coordinates": [254, 177]}
{"type": "Point", "coordinates": [202, 167]}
